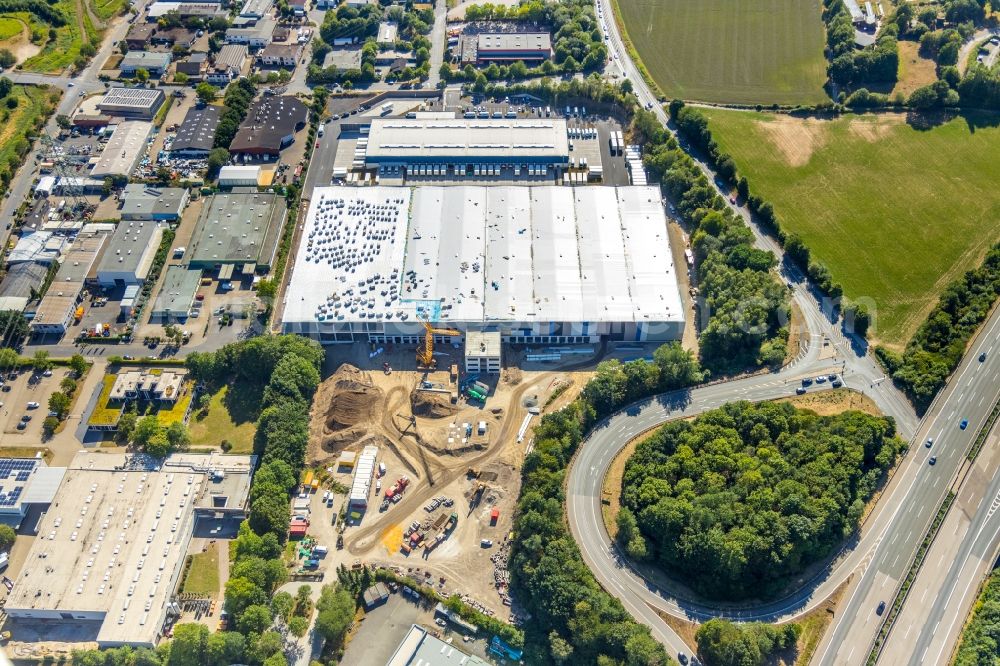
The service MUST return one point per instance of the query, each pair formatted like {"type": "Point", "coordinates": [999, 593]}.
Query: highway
{"type": "Point", "coordinates": [942, 595]}
{"type": "Point", "coordinates": [891, 534]}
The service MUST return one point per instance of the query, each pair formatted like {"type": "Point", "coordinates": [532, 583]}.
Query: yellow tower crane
{"type": "Point", "coordinates": [425, 355]}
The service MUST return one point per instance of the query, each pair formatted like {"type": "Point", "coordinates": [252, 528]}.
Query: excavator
{"type": "Point", "coordinates": [425, 354]}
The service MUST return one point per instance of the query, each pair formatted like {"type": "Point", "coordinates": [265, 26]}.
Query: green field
{"type": "Point", "coordinates": [9, 27]}
{"type": "Point", "coordinates": [225, 420]}
{"type": "Point", "coordinates": [739, 51]}
{"type": "Point", "coordinates": [895, 212]}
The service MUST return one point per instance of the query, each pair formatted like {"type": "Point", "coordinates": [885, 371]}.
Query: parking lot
{"type": "Point", "coordinates": [16, 394]}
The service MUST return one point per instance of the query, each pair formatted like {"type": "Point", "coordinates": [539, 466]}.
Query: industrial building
{"type": "Point", "coordinates": [541, 264]}
{"type": "Point", "coordinates": [43, 247]}
{"type": "Point", "coordinates": [129, 254]}
{"type": "Point", "coordinates": [485, 48]}
{"type": "Point", "coordinates": [148, 202]}
{"type": "Point", "coordinates": [20, 283]}
{"type": "Point", "coordinates": [421, 648]}
{"type": "Point", "coordinates": [269, 127]}
{"type": "Point", "coordinates": [56, 310]}
{"type": "Point", "coordinates": [124, 150]}
{"type": "Point", "coordinates": [196, 135]}
{"type": "Point", "coordinates": [364, 472]}
{"type": "Point", "coordinates": [112, 545]}
{"type": "Point", "coordinates": [195, 66]}
{"type": "Point", "coordinates": [139, 103]}
{"type": "Point", "coordinates": [460, 147]}
{"type": "Point", "coordinates": [176, 296]}
{"type": "Point", "coordinates": [26, 483]}
{"type": "Point", "coordinates": [257, 35]}
{"type": "Point", "coordinates": [241, 228]}
{"type": "Point", "coordinates": [228, 64]}
{"type": "Point", "coordinates": [239, 175]}
{"type": "Point", "coordinates": [257, 9]}
{"type": "Point", "coordinates": [154, 62]}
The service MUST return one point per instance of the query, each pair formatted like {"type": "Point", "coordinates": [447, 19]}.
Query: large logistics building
{"type": "Point", "coordinates": [396, 145]}
{"type": "Point", "coordinates": [541, 264]}
{"type": "Point", "coordinates": [113, 542]}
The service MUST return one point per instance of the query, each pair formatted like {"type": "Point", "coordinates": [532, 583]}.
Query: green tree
{"type": "Point", "coordinates": [265, 574]}
{"type": "Point", "coordinates": [177, 435]}
{"type": "Point", "coordinates": [142, 75]}
{"type": "Point", "coordinates": [298, 626]}
{"type": "Point", "coordinates": [68, 386]}
{"type": "Point", "coordinates": [59, 403]}
{"type": "Point", "coordinates": [217, 158]}
{"type": "Point", "coordinates": [7, 59]}
{"type": "Point", "coordinates": [562, 651]}
{"type": "Point", "coordinates": [49, 425]}
{"type": "Point", "coordinates": [335, 613]}
{"type": "Point", "coordinates": [145, 429]}
{"type": "Point", "coordinates": [224, 648]}
{"type": "Point", "coordinates": [188, 645]}
{"type": "Point", "coordinates": [206, 92]}
{"type": "Point", "coordinates": [8, 359]}
{"type": "Point", "coordinates": [282, 604]}
{"type": "Point", "coordinates": [78, 364]}
{"type": "Point", "coordinates": [41, 362]}
{"type": "Point", "coordinates": [158, 445]}
{"type": "Point", "coordinates": [7, 536]}
{"type": "Point", "coordinates": [126, 425]}
{"type": "Point", "coordinates": [254, 619]}
{"type": "Point", "coordinates": [270, 513]}
{"type": "Point", "coordinates": [241, 594]}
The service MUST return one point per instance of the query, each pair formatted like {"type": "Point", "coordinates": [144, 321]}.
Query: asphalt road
{"type": "Point", "coordinates": [932, 618]}
{"type": "Point", "coordinates": [918, 491]}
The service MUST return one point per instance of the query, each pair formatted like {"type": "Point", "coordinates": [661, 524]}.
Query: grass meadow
{"type": "Point", "coordinates": [735, 51]}
{"type": "Point", "coordinates": [895, 211]}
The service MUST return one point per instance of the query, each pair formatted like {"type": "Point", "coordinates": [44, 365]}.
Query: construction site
{"type": "Point", "coordinates": [458, 456]}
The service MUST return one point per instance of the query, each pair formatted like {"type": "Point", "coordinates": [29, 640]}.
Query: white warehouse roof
{"type": "Point", "coordinates": [485, 254]}
{"type": "Point", "coordinates": [397, 139]}
{"type": "Point", "coordinates": [363, 472]}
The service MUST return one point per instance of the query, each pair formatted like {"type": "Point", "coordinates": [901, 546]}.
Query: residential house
{"type": "Point", "coordinates": [280, 55]}
{"type": "Point", "coordinates": [175, 37]}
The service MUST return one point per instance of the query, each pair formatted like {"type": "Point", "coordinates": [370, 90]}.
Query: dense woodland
{"type": "Point", "coordinates": [738, 499]}
{"type": "Point", "coordinates": [939, 343]}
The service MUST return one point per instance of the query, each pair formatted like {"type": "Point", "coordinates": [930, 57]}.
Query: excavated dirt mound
{"type": "Point", "coordinates": [431, 405]}
{"type": "Point", "coordinates": [348, 398]}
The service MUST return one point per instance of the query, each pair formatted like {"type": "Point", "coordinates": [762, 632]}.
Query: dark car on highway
{"type": "Point", "coordinates": [964, 424]}
{"type": "Point", "coordinates": [881, 608]}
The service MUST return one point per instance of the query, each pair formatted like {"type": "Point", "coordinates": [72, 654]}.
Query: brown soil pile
{"type": "Point", "coordinates": [347, 398]}
{"type": "Point", "coordinates": [431, 405]}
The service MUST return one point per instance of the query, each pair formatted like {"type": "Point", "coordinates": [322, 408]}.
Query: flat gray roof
{"type": "Point", "coordinates": [147, 201]}
{"type": "Point", "coordinates": [123, 150]}
{"type": "Point", "coordinates": [131, 248]}
{"type": "Point", "coordinates": [177, 291]}
{"type": "Point", "coordinates": [399, 139]}
{"type": "Point", "coordinates": [242, 226]}
{"type": "Point", "coordinates": [513, 41]}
